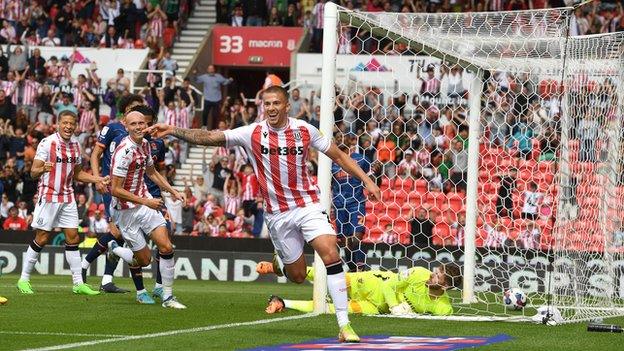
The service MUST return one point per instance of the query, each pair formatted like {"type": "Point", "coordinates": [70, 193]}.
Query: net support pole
{"type": "Point", "coordinates": [472, 182]}
{"type": "Point", "coordinates": [328, 77]}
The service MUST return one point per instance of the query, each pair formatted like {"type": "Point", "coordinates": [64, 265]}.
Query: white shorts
{"type": "Point", "coordinates": [50, 215]}
{"type": "Point", "coordinates": [137, 222]}
{"type": "Point", "coordinates": [290, 230]}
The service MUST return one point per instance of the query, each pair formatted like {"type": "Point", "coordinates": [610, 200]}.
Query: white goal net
{"type": "Point", "coordinates": [496, 141]}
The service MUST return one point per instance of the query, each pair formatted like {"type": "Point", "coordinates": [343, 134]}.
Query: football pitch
{"type": "Point", "coordinates": [229, 316]}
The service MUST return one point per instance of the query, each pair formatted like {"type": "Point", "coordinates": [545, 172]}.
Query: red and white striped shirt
{"type": "Point", "coordinates": [318, 11]}
{"type": "Point", "coordinates": [15, 12]}
{"type": "Point", "coordinates": [408, 168]}
{"type": "Point", "coordinates": [171, 117]}
{"type": "Point", "coordinates": [279, 160]}
{"type": "Point", "coordinates": [183, 117]}
{"type": "Point", "coordinates": [249, 183]}
{"type": "Point", "coordinates": [231, 203]}
{"type": "Point", "coordinates": [78, 97]}
{"type": "Point", "coordinates": [156, 26]}
{"type": "Point", "coordinates": [430, 86]}
{"type": "Point", "coordinates": [56, 185]}
{"type": "Point", "coordinates": [130, 161]}
{"type": "Point", "coordinates": [31, 90]}
{"type": "Point", "coordinates": [64, 73]}
{"type": "Point", "coordinates": [87, 118]}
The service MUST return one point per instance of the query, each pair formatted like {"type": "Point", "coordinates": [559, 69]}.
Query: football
{"type": "Point", "coordinates": [515, 299]}
{"type": "Point", "coordinates": [3, 300]}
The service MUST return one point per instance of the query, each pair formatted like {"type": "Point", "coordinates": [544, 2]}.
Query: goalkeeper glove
{"type": "Point", "coordinates": [402, 309]}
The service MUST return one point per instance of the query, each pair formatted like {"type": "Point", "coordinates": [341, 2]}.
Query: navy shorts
{"type": "Point", "coordinates": [350, 219]}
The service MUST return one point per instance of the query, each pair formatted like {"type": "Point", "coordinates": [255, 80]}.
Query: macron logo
{"type": "Point", "coordinates": [266, 44]}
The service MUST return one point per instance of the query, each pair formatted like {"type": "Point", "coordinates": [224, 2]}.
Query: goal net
{"type": "Point", "coordinates": [496, 141]}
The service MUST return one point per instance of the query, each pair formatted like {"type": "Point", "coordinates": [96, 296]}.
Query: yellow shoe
{"type": "Point", "coordinates": [347, 334]}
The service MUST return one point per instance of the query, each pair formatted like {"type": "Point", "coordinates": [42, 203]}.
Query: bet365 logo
{"type": "Point", "coordinates": [281, 150]}
{"type": "Point", "coordinates": [67, 159]}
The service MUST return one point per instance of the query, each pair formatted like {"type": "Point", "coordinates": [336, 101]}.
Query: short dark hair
{"type": "Point", "coordinates": [67, 113]}
{"type": "Point", "coordinates": [452, 275]}
{"type": "Point", "coordinates": [126, 101]}
{"type": "Point", "coordinates": [144, 109]}
{"type": "Point", "coordinates": [276, 89]}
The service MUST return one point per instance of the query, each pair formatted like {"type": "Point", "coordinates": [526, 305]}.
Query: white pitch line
{"type": "Point", "coordinates": [171, 332]}
{"type": "Point", "coordinates": [62, 334]}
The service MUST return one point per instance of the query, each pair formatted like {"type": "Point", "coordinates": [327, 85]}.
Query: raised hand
{"type": "Point", "coordinates": [178, 196]}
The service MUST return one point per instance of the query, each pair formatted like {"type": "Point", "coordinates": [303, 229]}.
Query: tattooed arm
{"type": "Point", "coordinates": [200, 136]}
{"type": "Point", "coordinates": [193, 136]}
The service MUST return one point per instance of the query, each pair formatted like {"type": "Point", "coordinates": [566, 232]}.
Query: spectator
{"type": "Point", "coordinates": [459, 170]}
{"type": "Point", "coordinates": [317, 25]}
{"type": "Point", "coordinates": [496, 236]}
{"type": "Point", "coordinates": [36, 64]}
{"type": "Point", "coordinates": [532, 201]}
{"type": "Point", "coordinates": [111, 39]}
{"type": "Point", "coordinates": [188, 217]}
{"type": "Point", "coordinates": [430, 87]}
{"type": "Point", "coordinates": [274, 18]}
{"type": "Point", "coordinates": [504, 202]}
{"type": "Point", "coordinates": [389, 236]}
{"type": "Point", "coordinates": [221, 173]}
{"type": "Point", "coordinates": [255, 11]}
{"type": "Point", "coordinates": [7, 108]}
{"type": "Point", "coordinates": [408, 167]}
{"type": "Point", "coordinates": [236, 18]}
{"type": "Point", "coordinates": [18, 59]}
{"type": "Point", "coordinates": [296, 104]}
{"type": "Point", "coordinates": [292, 18]}
{"type": "Point", "coordinates": [51, 39]}
{"type": "Point", "coordinates": [65, 103]}
{"type": "Point", "coordinates": [14, 222]}
{"type": "Point", "coordinates": [459, 227]}
{"type": "Point", "coordinates": [212, 82]}
{"type": "Point", "coordinates": [588, 130]}
{"type": "Point", "coordinates": [529, 237]}
{"type": "Point", "coordinates": [6, 204]}
{"type": "Point", "coordinates": [98, 224]}
{"type": "Point", "coordinates": [421, 228]}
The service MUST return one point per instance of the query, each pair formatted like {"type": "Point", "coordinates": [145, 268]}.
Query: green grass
{"type": "Point", "coordinates": [54, 309]}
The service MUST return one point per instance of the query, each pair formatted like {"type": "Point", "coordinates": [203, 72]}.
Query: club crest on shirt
{"type": "Point", "coordinates": [297, 135]}
{"type": "Point", "coordinates": [265, 134]}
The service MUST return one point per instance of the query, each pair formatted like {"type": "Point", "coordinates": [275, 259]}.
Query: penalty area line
{"type": "Point", "coordinates": [170, 332]}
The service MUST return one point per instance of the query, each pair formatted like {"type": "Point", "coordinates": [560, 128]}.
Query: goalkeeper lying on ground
{"type": "Point", "coordinates": [416, 290]}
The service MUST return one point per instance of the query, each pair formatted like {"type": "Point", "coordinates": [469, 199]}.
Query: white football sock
{"type": "Point", "coordinates": [31, 258]}
{"type": "Point", "coordinates": [73, 259]}
{"type": "Point", "coordinates": [85, 264]}
{"type": "Point", "coordinates": [107, 278]}
{"type": "Point", "coordinates": [337, 287]}
{"type": "Point", "coordinates": [167, 266]}
{"type": "Point", "coordinates": [125, 254]}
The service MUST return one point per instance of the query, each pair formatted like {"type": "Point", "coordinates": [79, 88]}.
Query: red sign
{"type": "Point", "coordinates": [254, 46]}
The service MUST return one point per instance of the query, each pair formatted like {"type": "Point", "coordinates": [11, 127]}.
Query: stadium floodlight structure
{"type": "Point", "coordinates": [543, 112]}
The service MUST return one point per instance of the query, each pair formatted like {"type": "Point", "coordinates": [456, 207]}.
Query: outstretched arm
{"type": "Point", "coordinates": [193, 136]}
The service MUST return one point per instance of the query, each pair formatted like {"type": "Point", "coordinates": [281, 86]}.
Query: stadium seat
{"type": "Point", "coordinates": [455, 202]}
{"type": "Point", "coordinates": [421, 186]}
{"type": "Point", "coordinates": [415, 199]}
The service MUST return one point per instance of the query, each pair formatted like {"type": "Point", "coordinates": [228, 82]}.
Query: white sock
{"type": "Point", "coordinates": [156, 285]}
{"type": "Point", "coordinates": [107, 278]}
{"type": "Point", "coordinates": [337, 287]}
{"type": "Point", "coordinates": [73, 259]}
{"type": "Point", "coordinates": [85, 264]}
{"type": "Point", "coordinates": [167, 266]}
{"type": "Point", "coordinates": [125, 254]}
{"type": "Point", "coordinates": [32, 257]}
{"type": "Point", "coordinates": [139, 292]}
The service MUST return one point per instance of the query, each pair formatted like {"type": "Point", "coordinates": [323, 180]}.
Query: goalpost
{"type": "Point", "coordinates": [531, 198]}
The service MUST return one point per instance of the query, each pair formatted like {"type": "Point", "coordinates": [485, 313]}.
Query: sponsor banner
{"type": "Point", "coordinates": [108, 61]}
{"type": "Point", "coordinates": [494, 271]}
{"type": "Point", "coordinates": [254, 46]}
{"type": "Point", "coordinates": [391, 74]}
{"type": "Point", "coordinates": [387, 342]}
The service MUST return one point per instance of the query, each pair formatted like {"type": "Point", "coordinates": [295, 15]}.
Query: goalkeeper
{"type": "Point", "coordinates": [416, 290]}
